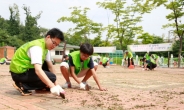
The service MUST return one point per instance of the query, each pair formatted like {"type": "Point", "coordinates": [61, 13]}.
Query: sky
{"type": "Point", "coordinates": [52, 10]}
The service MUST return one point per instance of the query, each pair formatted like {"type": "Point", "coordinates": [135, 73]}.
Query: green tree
{"type": "Point", "coordinates": [126, 18]}
{"type": "Point", "coordinates": [157, 39]}
{"type": "Point", "coordinates": [31, 30]}
{"type": "Point", "coordinates": [43, 31]}
{"type": "Point", "coordinates": [3, 37]}
{"type": "Point", "coordinates": [117, 44]}
{"type": "Point", "coordinates": [96, 41]}
{"type": "Point", "coordinates": [3, 24]}
{"type": "Point", "coordinates": [177, 12]}
{"type": "Point", "coordinates": [176, 47]}
{"type": "Point", "coordinates": [73, 38]}
{"type": "Point", "coordinates": [14, 41]}
{"type": "Point", "coordinates": [84, 26]}
{"type": "Point", "coordinates": [146, 38]}
{"type": "Point", "coordinates": [14, 20]}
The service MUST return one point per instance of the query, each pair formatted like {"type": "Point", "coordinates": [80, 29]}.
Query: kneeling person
{"type": "Point", "coordinates": [150, 64]}
{"type": "Point", "coordinates": [27, 67]}
{"type": "Point", "coordinates": [80, 65]}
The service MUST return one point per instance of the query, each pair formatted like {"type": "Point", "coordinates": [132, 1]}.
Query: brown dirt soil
{"type": "Point", "coordinates": [128, 89]}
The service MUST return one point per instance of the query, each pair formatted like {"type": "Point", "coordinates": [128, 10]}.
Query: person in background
{"type": "Point", "coordinates": [80, 65]}
{"type": "Point", "coordinates": [66, 58]}
{"type": "Point", "coordinates": [106, 61]}
{"type": "Point", "coordinates": [128, 55]}
{"type": "Point", "coordinates": [31, 67]}
{"type": "Point", "coordinates": [149, 64]}
{"type": "Point", "coordinates": [96, 60]}
{"type": "Point", "coordinates": [147, 56]}
{"type": "Point", "coordinates": [155, 57]}
{"type": "Point", "coordinates": [3, 60]}
{"type": "Point", "coordinates": [141, 63]}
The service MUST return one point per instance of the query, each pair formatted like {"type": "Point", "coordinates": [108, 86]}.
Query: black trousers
{"type": "Point", "coordinates": [151, 66]}
{"type": "Point", "coordinates": [131, 61]}
{"type": "Point", "coordinates": [105, 64]}
{"type": "Point", "coordinates": [30, 80]}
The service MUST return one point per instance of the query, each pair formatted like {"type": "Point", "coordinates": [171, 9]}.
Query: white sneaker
{"type": "Point", "coordinates": [107, 67]}
{"type": "Point", "coordinates": [67, 85]}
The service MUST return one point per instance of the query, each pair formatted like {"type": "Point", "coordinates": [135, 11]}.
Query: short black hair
{"type": "Point", "coordinates": [65, 56]}
{"type": "Point", "coordinates": [143, 59]}
{"type": "Point", "coordinates": [86, 48]}
{"type": "Point", "coordinates": [55, 32]}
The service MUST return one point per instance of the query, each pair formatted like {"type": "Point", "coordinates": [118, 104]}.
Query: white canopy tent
{"type": "Point", "coordinates": [104, 49]}
{"type": "Point", "coordinates": [152, 48]}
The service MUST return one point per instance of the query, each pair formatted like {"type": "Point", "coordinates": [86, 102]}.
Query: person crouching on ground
{"type": "Point", "coordinates": [65, 58]}
{"type": "Point", "coordinates": [155, 57]}
{"type": "Point", "coordinates": [31, 67]}
{"type": "Point", "coordinates": [105, 61]}
{"type": "Point", "coordinates": [149, 64]}
{"type": "Point", "coordinates": [80, 65]}
{"type": "Point", "coordinates": [130, 57]}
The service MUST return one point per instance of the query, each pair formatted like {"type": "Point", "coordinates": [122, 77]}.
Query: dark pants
{"type": "Point", "coordinates": [105, 64]}
{"type": "Point", "coordinates": [30, 80]}
{"type": "Point", "coordinates": [151, 66]}
{"type": "Point", "coordinates": [131, 61]}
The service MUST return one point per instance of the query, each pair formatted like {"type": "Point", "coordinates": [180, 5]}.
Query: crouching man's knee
{"type": "Point", "coordinates": [65, 64]}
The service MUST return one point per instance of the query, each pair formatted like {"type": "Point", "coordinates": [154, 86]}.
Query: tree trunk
{"type": "Point", "coordinates": [180, 50]}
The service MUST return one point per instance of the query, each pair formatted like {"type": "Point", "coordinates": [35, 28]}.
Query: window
{"type": "Point", "coordinates": [58, 52]}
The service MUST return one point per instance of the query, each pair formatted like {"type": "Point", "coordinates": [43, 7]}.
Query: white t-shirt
{"type": "Point", "coordinates": [35, 53]}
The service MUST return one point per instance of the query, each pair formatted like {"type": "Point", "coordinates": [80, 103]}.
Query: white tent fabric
{"type": "Point", "coordinates": [104, 49]}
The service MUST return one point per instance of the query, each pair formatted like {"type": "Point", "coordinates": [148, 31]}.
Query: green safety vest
{"type": "Point", "coordinates": [21, 62]}
{"type": "Point", "coordinates": [129, 55]}
{"type": "Point", "coordinates": [152, 60]}
{"type": "Point", "coordinates": [155, 56]}
{"type": "Point", "coordinates": [77, 62]}
{"type": "Point", "coordinates": [104, 60]}
{"type": "Point", "coordinates": [2, 60]}
{"type": "Point", "coordinates": [147, 56]}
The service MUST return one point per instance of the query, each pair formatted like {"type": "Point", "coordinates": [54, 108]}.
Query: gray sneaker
{"type": "Point", "coordinates": [67, 85]}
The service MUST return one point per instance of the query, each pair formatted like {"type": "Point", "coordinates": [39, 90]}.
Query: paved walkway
{"type": "Point", "coordinates": [128, 89]}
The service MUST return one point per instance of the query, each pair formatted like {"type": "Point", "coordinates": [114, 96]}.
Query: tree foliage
{"type": "Point", "coordinates": [14, 21]}
{"type": "Point", "coordinates": [146, 38]}
{"type": "Point", "coordinates": [84, 27]}
{"type": "Point", "coordinates": [126, 19]}
{"type": "Point", "coordinates": [177, 12]}
{"type": "Point", "coordinates": [13, 33]}
{"type": "Point", "coordinates": [31, 30]}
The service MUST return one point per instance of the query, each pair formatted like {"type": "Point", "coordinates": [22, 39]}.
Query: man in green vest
{"type": "Point", "coordinates": [128, 55]}
{"type": "Point", "coordinates": [31, 67]}
{"type": "Point", "coordinates": [155, 57]}
{"type": "Point", "coordinates": [147, 56]}
{"type": "Point", "coordinates": [3, 60]}
{"type": "Point", "coordinates": [149, 64]}
{"type": "Point", "coordinates": [105, 61]}
{"type": "Point", "coordinates": [80, 65]}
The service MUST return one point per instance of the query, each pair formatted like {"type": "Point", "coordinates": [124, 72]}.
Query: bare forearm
{"type": "Point", "coordinates": [75, 78]}
{"type": "Point", "coordinates": [96, 79]}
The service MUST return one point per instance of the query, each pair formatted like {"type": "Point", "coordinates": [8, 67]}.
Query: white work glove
{"type": "Point", "coordinates": [84, 86]}
{"type": "Point", "coordinates": [57, 90]}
